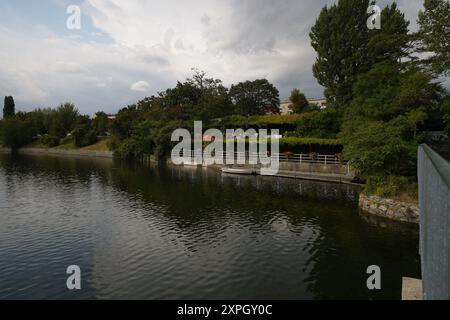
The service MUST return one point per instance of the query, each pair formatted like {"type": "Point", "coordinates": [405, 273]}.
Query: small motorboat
{"type": "Point", "coordinates": [191, 164]}
{"type": "Point", "coordinates": [245, 171]}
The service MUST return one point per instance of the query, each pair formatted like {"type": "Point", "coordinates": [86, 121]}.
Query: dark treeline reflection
{"type": "Point", "coordinates": [200, 234]}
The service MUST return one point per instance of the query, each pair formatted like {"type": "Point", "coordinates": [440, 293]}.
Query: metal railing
{"type": "Point", "coordinates": [310, 158]}
{"type": "Point", "coordinates": [282, 157]}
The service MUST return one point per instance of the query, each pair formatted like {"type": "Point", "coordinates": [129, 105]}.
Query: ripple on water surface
{"type": "Point", "coordinates": [176, 233]}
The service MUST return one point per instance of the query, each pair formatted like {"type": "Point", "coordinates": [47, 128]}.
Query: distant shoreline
{"type": "Point", "coordinates": [52, 151]}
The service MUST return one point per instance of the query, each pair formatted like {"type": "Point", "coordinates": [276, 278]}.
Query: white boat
{"type": "Point", "coordinates": [238, 171]}
{"type": "Point", "coordinates": [191, 164]}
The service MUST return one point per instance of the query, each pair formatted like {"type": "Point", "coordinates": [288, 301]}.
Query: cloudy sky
{"type": "Point", "coordinates": [129, 49]}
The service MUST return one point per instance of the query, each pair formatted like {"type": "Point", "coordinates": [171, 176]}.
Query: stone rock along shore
{"type": "Point", "coordinates": [391, 209]}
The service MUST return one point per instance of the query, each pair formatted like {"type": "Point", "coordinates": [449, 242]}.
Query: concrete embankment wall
{"type": "Point", "coordinates": [310, 171]}
{"type": "Point", "coordinates": [78, 153]}
{"type": "Point", "coordinates": [334, 169]}
{"type": "Point", "coordinates": [316, 171]}
{"type": "Point", "coordinates": [339, 173]}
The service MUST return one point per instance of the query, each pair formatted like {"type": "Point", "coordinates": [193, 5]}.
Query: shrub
{"type": "Point", "coordinates": [391, 186]}
{"type": "Point", "coordinates": [15, 133]}
{"type": "Point", "coordinates": [304, 145]}
{"type": "Point", "coordinates": [50, 141]}
{"type": "Point", "coordinates": [308, 145]}
{"type": "Point", "coordinates": [319, 124]}
{"type": "Point", "coordinates": [84, 136]}
{"type": "Point", "coordinates": [129, 149]}
{"type": "Point", "coordinates": [297, 141]}
{"type": "Point", "coordinates": [262, 121]}
{"type": "Point", "coordinates": [377, 148]}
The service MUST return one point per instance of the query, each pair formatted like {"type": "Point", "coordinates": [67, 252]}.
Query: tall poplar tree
{"type": "Point", "coordinates": [9, 108]}
{"type": "Point", "coordinates": [434, 34]}
{"type": "Point", "coordinates": [347, 48]}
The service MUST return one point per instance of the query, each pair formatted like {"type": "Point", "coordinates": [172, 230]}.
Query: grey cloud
{"type": "Point", "coordinates": [234, 40]}
{"type": "Point", "coordinates": [261, 24]}
{"type": "Point", "coordinates": [205, 20]}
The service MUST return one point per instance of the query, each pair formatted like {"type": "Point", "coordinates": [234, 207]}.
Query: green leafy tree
{"type": "Point", "coordinates": [346, 48]}
{"type": "Point", "coordinates": [389, 90]}
{"type": "Point", "coordinates": [61, 121]}
{"type": "Point", "coordinates": [415, 118]}
{"type": "Point", "coordinates": [122, 126]}
{"type": "Point", "coordinates": [257, 97]}
{"type": "Point", "coordinates": [198, 98]}
{"type": "Point", "coordinates": [434, 34]}
{"type": "Point", "coordinates": [16, 133]}
{"type": "Point", "coordinates": [181, 102]}
{"type": "Point", "coordinates": [340, 38]}
{"type": "Point", "coordinates": [298, 101]}
{"type": "Point", "coordinates": [50, 141]}
{"type": "Point", "coordinates": [84, 133]}
{"type": "Point", "coordinates": [38, 119]}
{"type": "Point", "coordinates": [378, 148]}
{"type": "Point", "coordinates": [100, 123]}
{"type": "Point", "coordinates": [148, 137]}
{"type": "Point", "coordinates": [319, 124]}
{"type": "Point", "coordinates": [9, 108]}
{"type": "Point", "coordinates": [392, 42]}
{"type": "Point", "coordinates": [393, 102]}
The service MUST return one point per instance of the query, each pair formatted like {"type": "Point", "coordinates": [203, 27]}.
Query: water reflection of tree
{"type": "Point", "coordinates": [62, 173]}
{"type": "Point", "coordinates": [186, 193]}
{"type": "Point", "coordinates": [201, 206]}
{"type": "Point", "coordinates": [338, 249]}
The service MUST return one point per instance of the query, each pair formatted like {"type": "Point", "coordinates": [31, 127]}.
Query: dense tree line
{"type": "Point", "coordinates": [52, 127]}
{"type": "Point", "coordinates": [385, 96]}
{"type": "Point", "coordinates": [146, 127]}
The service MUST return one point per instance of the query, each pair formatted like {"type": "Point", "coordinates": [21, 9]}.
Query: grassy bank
{"type": "Point", "coordinates": [101, 145]}
{"type": "Point", "coordinates": [393, 187]}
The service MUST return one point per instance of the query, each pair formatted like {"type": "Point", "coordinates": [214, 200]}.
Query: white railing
{"type": "Point", "coordinates": [310, 158]}
{"type": "Point", "coordinates": [283, 157]}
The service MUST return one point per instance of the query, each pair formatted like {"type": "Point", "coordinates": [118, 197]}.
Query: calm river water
{"type": "Point", "coordinates": [177, 233]}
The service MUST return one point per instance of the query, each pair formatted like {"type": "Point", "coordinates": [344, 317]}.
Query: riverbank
{"type": "Point", "coordinates": [62, 152]}
{"type": "Point", "coordinates": [96, 150]}
{"type": "Point", "coordinates": [373, 205]}
{"type": "Point", "coordinates": [75, 152]}
{"type": "Point", "coordinates": [389, 208]}
{"type": "Point", "coordinates": [314, 172]}
{"type": "Point", "coordinates": [337, 173]}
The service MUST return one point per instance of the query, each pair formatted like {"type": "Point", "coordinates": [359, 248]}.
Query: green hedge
{"type": "Point", "coordinates": [307, 145]}
{"type": "Point", "coordinates": [297, 141]}
{"type": "Point", "coordinates": [261, 121]}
